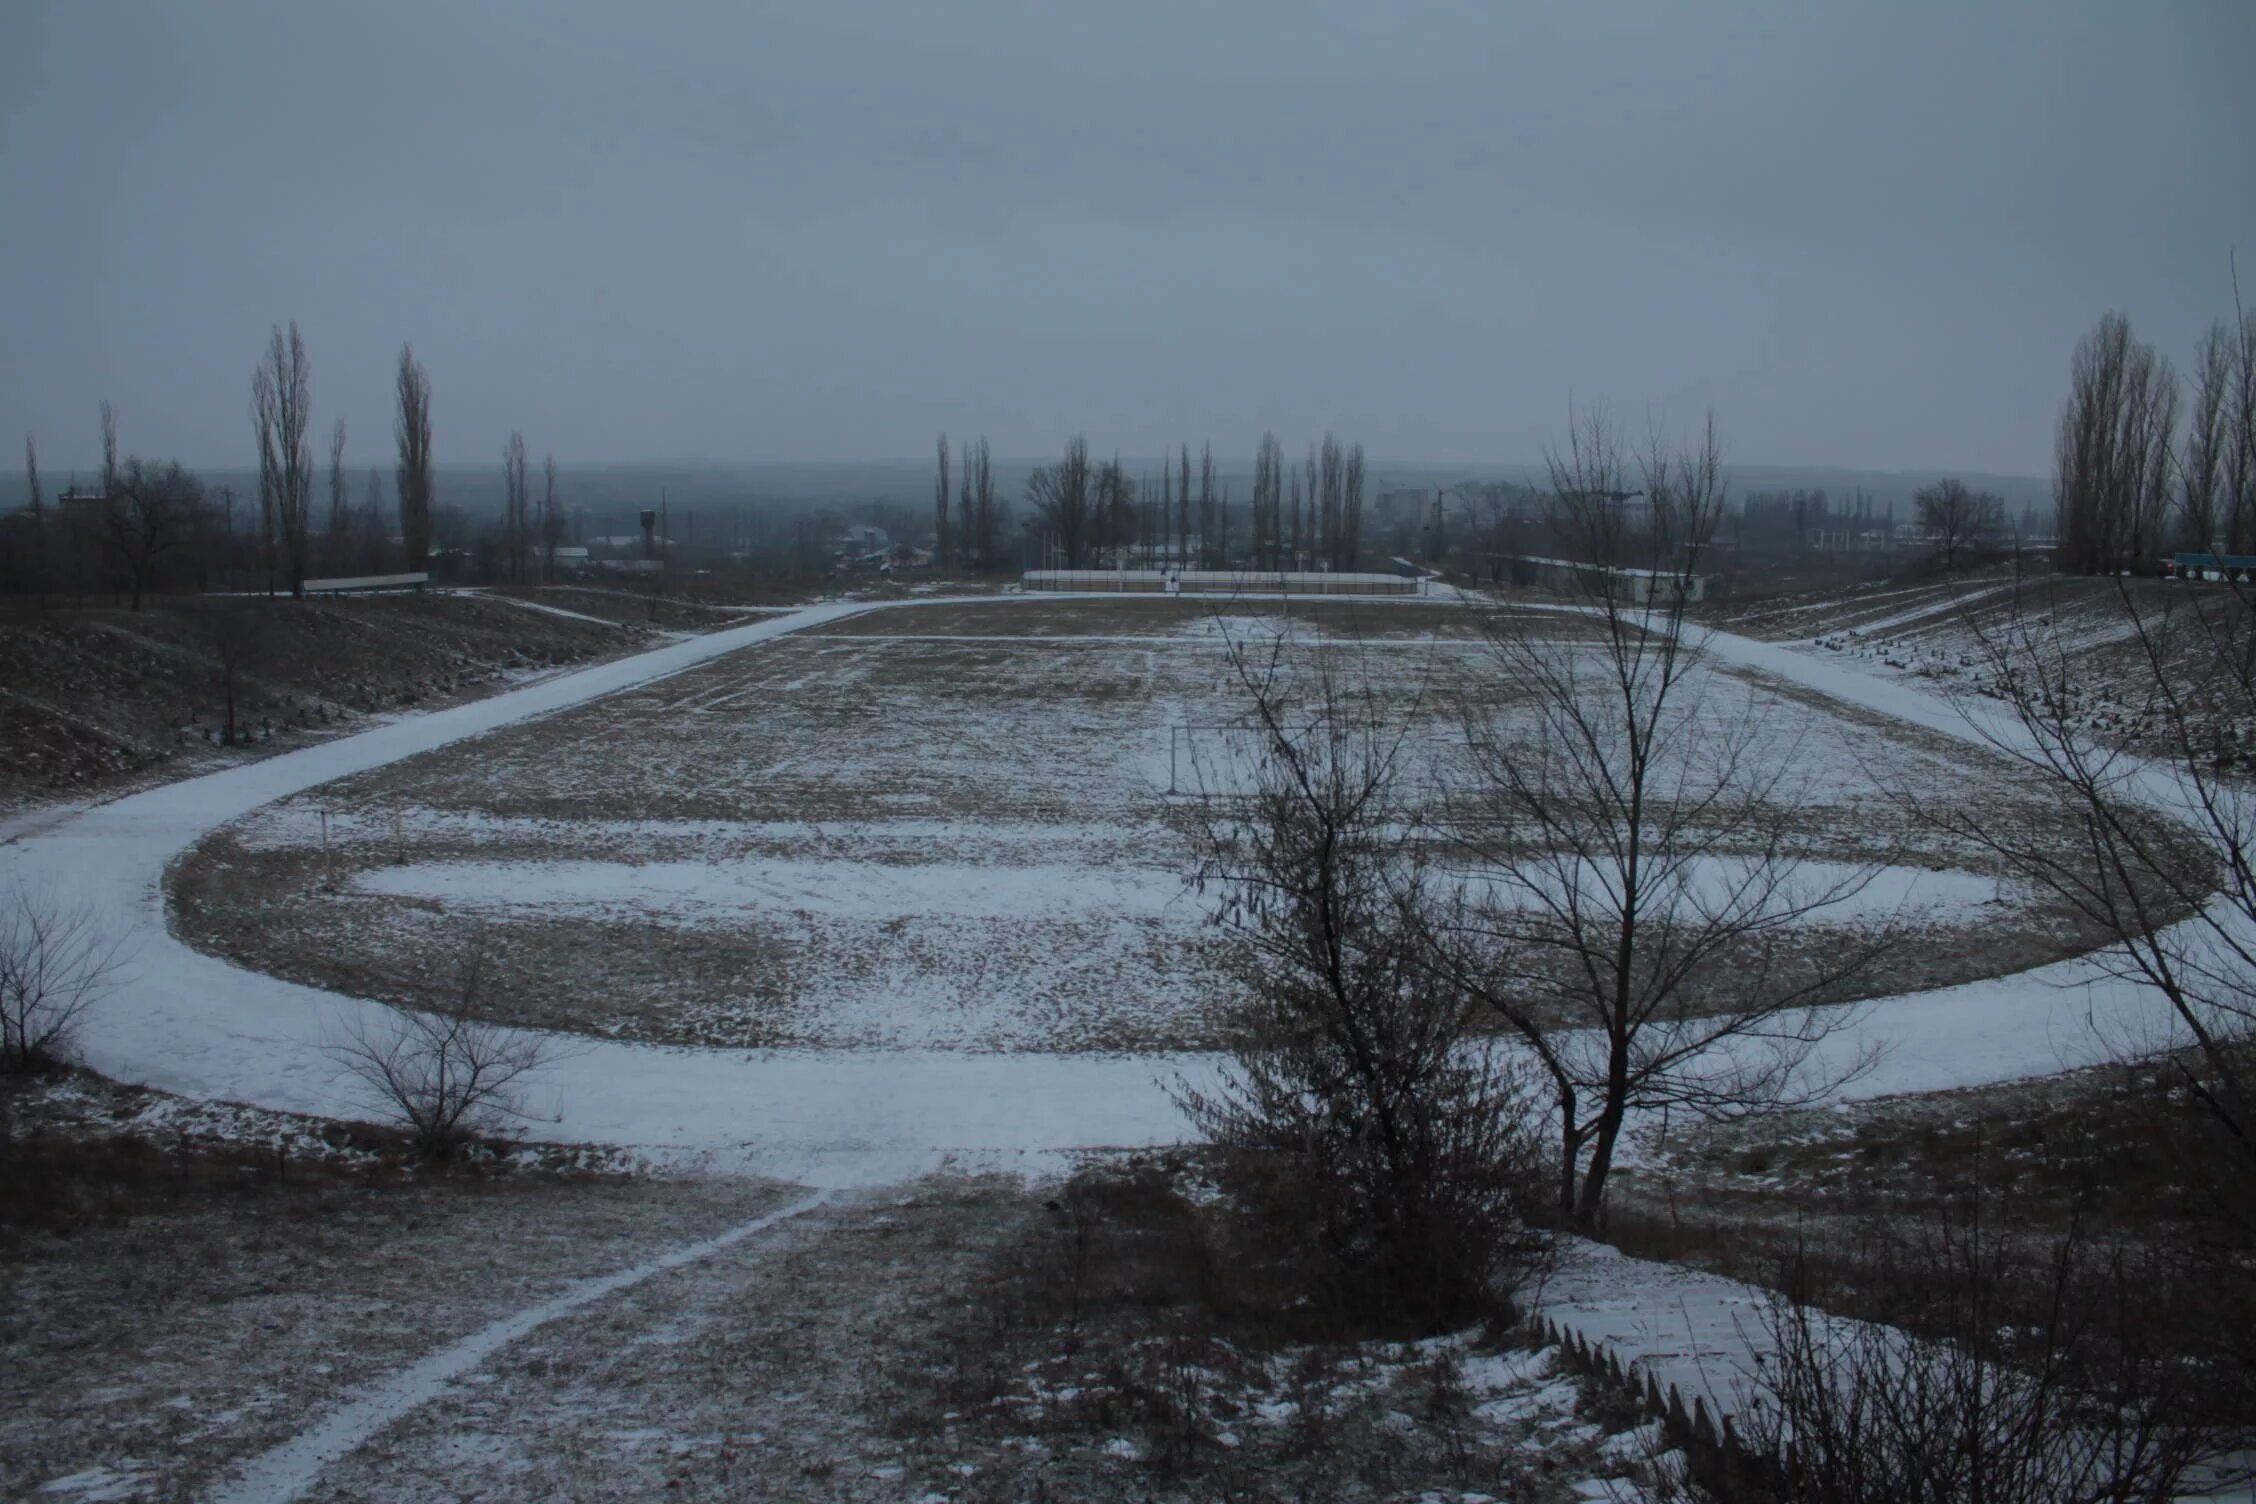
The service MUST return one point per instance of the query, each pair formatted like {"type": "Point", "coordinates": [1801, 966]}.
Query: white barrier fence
{"type": "Point", "coordinates": [1219, 582]}
{"type": "Point", "coordinates": [356, 583]}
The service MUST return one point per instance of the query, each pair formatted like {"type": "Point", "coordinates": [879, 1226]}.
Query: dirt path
{"type": "Point", "coordinates": [286, 1472]}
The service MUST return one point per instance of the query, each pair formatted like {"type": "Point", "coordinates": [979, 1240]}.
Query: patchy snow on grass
{"type": "Point", "coordinates": [191, 1023]}
{"type": "Point", "coordinates": [692, 893]}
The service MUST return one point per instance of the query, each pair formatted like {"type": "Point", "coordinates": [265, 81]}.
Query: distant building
{"type": "Point", "coordinates": [1575, 577]}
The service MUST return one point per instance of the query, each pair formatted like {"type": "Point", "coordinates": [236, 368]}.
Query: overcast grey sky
{"type": "Point", "coordinates": [1867, 235]}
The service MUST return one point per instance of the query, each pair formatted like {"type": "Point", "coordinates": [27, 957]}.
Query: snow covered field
{"type": "Point", "coordinates": [494, 829]}
{"type": "Point", "coordinates": [922, 839]}
{"type": "Point", "coordinates": [189, 1022]}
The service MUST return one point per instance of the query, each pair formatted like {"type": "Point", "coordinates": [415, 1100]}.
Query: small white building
{"type": "Point", "coordinates": [1618, 582]}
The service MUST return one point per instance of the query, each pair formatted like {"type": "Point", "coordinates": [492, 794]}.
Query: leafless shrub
{"type": "Point", "coordinates": [2009, 1369]}
{"type": "Point", "coordinates": [448, 1074]}
{"type": "Point", "coordinates": [55, 964]}
{"type": "Point", "coordinates": [1357, 1079]}
{"type": "Point", "coordinates": [2181, 924]}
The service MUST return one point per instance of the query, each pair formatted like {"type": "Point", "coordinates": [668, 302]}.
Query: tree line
{"type": "Point", "coordinates": [145, 523]}
{"type": "Point", "coordinates": [2144, 462]}
{"type": "Point", "coordinates": [1083, 510]}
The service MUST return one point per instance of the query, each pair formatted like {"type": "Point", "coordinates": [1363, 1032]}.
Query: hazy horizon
{"type": "Point", "coordinates": [1867, 239]}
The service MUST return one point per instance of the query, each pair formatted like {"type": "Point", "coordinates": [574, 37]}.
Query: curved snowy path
{"type": "Point", "coordinates": [193, 1024]}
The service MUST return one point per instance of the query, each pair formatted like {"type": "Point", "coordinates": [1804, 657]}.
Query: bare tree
{"type": "Point", "coordinates": [1268, 484]}
{"type": "Point", "coordinates": [152, 509]}
{"type": "Point", "coordinates": [337, 537]}
{"type": "Point", "coordinates": [375, 532]}
{"type": "Point", "coordinates": [55, 964]}
{"type": "Point", "coordinates": [1957, 519]}
{"type": "Point", "coordinates": [941, 550]}
{"type": "Point", "coordinates": [1632, 859]}
{"type": "Point", "coordinates": [1351, 508]}
{"type": "Point", "coordinates": [1357, 1069]}
{"type": "Point", "coordinates": [233, 632]}
{"type": "Point", "coordinates": [983, 520]}
{"type": "Point", "coordinates": [411, 429]}
{"type": "Point", "coordinates": [552, 518]}
{"type": "Point", "coordinates": [281, 406]}
{"type": "Point", "coordinates": [1064, 496]}
{"type": "Point", "coordinates": [1208, 522]}
{"type": "Point", "coordinates": [269, 552]}
{"type": "Point", "coordinates": [1115, 504]}
{"type": "Point", "coordinates": [516, 535]}
{"type": "Point", "coordinates": [2202, 462]}
{"type": "Point", "coordinates": [1183, 508]}
{"type": "Point", "coordinates": [2239, 490]}
{"type": "Point", "coordinates": [109, 448]}
{"type": "Point", "coordinates": [2113, 456]}
{"type": "Point", "coordinates": [448, 1074]}
{"type": "Point", "coordinates": [41, 555]}
{"type": "Point", "coordinates": [2217, 463]}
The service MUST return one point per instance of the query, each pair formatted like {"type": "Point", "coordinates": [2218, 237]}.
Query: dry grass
{"type": "Point", "coordinates": [96, 700]}
{"type": "Point", "coordinates": [902, 748]}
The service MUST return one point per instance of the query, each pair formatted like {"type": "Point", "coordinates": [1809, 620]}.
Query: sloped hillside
{"type": "Point", "coordinates": [96, 700]}
{"type": "Point", "coordinates": [2121, 649]}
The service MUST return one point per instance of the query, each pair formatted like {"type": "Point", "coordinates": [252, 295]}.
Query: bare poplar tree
{"type": "Point", "coordinates": [2113, 454]}
{"type": "Point", "coordinates": [281, 405]}
{"type": "Point", "coordinates": [1183, 506]}
{"type": "Point", "coordinates": [2202, 463]}
{"type": "Point", "coordinates": [514, 505]}
{"type": "Point", "coordinates": [1115, 504]}
{"type": "Point", "coordinates": [109, 448]}
{"type": "Point", "coordinates": [42, 553]}
{"type": "Point", "coordinates": [1206, 502]}
{"type": "Point", "coordinates": [1351, 508]}
{"type": "Point", "coordinates": [2239, 492]}
{"type": "Point", "coordinates": [337, 537]}
{"type": "Point", "coordinates": [1633, 859]}
{"type": "Point", "coordinates": [374, 532]}
{"type": "Point", "coordinates": [268, 552]}
{"type": "Point", "coordinates": [979, 474]}
{"type": "Point", "coordinates": [940, 549]}
{"type": "Point", "coordinates": [2217, 464]}
{"type": "Point", "coordinates": [1268, 477]}
{"type": "Point", "coordinates": [411, 429]}
{"type": "Point", "coordinates": [552, 518]}
{"type": "Point", "coordinates": [1063, 495]}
